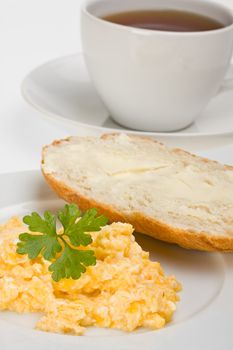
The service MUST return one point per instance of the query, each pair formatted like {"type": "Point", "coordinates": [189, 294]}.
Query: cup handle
{"type": "Point", "coordinates": [226, 86]}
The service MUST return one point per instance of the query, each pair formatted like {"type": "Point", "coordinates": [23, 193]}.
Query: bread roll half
{"type": "Point", "coordinates": [168, 194]}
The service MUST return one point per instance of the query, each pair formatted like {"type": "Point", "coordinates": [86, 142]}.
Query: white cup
{"type": "Point", "coordinates": [155, 80]}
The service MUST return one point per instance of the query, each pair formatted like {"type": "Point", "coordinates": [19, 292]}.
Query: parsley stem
{"type": "Point", "coordinates": [63, 240]}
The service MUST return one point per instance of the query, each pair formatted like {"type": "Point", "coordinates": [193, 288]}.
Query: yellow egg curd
{"type": "Point", "coordinates": [124, 290]}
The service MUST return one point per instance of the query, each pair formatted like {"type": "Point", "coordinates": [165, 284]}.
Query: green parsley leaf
{"type": "Point", "coordinates": [68, 215]}
{"type": "Point", "coordinates": [71, 263]}
{"type": "Point", "coordinates": [47, 244]}
{"type": "Point", "coordinates": [88, 223]}
{"type": "Point", "coordinates": [67, 261]}
{"type": "Point", "coordinates": [37, 224]}
{"type": "Point", "coordinates": [33, 245]}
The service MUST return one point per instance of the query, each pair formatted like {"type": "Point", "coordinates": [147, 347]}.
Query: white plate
{"type": "Point", "coordinates": [204, 316]}
{"type": "Point", "coordinates": [62, 90]}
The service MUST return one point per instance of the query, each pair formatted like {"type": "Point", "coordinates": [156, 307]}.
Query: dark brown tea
{"type": "Point", "coordinates": [166, 20]}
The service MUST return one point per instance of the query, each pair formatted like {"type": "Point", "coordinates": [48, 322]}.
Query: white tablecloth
{"type": "Point", "coordinates": [32, 32]}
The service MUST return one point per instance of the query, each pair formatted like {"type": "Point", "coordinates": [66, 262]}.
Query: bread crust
{"type": "Point", "coordinates": [153, 227]}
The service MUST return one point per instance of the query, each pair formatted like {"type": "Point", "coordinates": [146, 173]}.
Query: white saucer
{"type": "Point", "coordinates": [62, 90]}
{"type": "Point", "coordinates": [223, 155]}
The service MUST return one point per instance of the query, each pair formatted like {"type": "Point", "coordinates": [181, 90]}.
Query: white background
{"type": "Point", "coordinates": [32, 32]}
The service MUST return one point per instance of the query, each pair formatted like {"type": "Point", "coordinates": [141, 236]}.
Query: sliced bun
{"type": "Point", "coordinates": [168, 194]}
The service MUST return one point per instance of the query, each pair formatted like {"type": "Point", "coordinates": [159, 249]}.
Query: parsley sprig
{"type": "Point", "coordinates": [61, 247]}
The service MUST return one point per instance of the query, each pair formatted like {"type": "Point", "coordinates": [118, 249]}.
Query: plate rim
{"type": "Point", "coordinates": [98, 129]}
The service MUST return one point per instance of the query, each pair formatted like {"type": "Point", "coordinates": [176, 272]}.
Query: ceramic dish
{"type": "Point", "coordinates": [62, 91]}
{"type": "Point", "coordinates": [204, 316]}
{"type": "Point", "coordinates": [222, 154]}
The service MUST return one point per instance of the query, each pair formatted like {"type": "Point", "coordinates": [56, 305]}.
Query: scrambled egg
{"type": "Point", "coordinates": [125, 290]}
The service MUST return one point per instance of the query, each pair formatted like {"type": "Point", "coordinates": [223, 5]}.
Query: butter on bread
{"type": "Point", "coordinates": [168, 194]}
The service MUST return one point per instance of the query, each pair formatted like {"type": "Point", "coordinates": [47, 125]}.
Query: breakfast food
{"type": "Point", "coordinates": [124, 290]}
{"type": "Point", "coordinates": [169, 194]}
